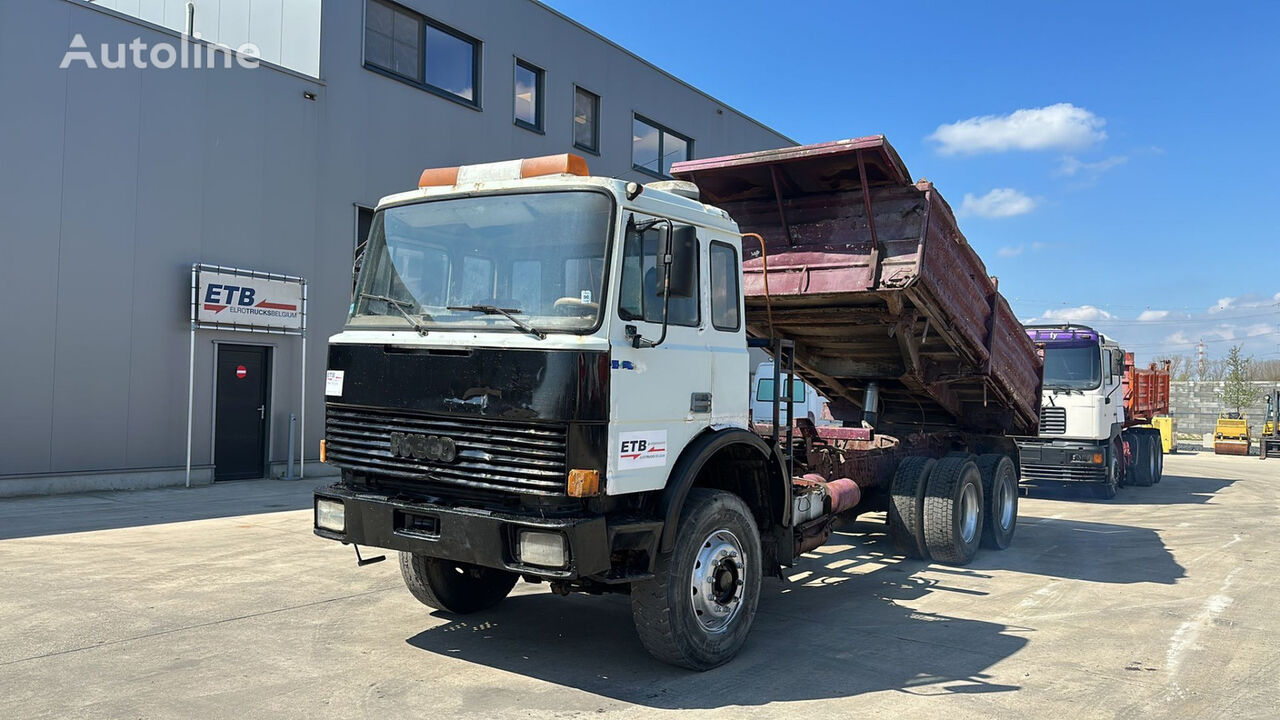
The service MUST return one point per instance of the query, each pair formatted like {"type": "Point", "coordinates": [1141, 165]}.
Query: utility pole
{"type": "Point", "coordinates": [1200, 360]}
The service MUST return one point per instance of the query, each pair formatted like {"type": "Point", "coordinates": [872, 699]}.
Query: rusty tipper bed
{"type": "Point", "coordinates": [868, 273]}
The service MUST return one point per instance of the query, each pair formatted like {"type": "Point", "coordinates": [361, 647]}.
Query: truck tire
{"type": "Point", "coordinates": [697, 610]}
{"type": "Point", "coordinates": [906, 506]}
{"type": "Point", "coordinates": [1000, 488]}
{"type": "Point", "coordinates": [1107, 489]}
{"type": "Point", "coordinates": [953, 511]}
{"type": "Point", "coordinates": [1142, 473]}
{"type": "Point", "coordinates": [454, 587]}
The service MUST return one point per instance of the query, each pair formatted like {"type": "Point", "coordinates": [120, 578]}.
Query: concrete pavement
{"type": "Point", "coordinates": [218, 602]}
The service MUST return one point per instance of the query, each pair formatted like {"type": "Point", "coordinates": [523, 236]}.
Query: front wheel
{"type": "Point", "coordinates": [454, 587]}
{"type": "Point", "coordinates": [1107, 489]}
{"type": "Point", "coordinates": [697, 610]}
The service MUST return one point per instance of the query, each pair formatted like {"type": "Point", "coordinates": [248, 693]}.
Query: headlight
{"type": "Point", "coordinates": [330, 515]}
{"type": "Point", "coordinates": [543, 549]}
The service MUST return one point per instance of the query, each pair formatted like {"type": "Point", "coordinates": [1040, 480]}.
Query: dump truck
{"type": "Point", "coordinates": [1231, 434]}
{"type": "Point", "coordinates": [542, 373]}
{"type": "Point", "coordinates": [1269, 440]}
{"type": "Point", "coordinates": [1096, 413]}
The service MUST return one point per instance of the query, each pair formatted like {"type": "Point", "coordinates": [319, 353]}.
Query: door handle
{"type": "Point", "coordinates": [262, 412]}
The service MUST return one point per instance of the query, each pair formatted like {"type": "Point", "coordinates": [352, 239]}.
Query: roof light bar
{"type": "Point", "coordinates": [564, 164]}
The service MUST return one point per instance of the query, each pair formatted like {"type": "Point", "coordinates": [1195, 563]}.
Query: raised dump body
{"type": "Point", "coordinates": [869, 275]}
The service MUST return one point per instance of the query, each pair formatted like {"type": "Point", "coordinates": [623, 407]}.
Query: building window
{"type": "Point", "coordinates": [410, 47]}
{"type": "Point", "coordinates": [724, 287]}
{"type": "Point", "coordinates": [654, 148]}
{"type": "Point", "coordinates": [529, 81]}
{"type": "Point", "coordinates": [393, 39]}
{"type": "Point", "coordinates": [586, 120]}
{"type": "Point", "coordinates": [453, 63]}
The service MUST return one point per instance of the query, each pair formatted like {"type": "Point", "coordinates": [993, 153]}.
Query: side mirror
{"type": "Point", "coordinates": [681, 243]}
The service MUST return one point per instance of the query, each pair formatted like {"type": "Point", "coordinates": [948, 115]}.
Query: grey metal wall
{"type": "Point", "coordinates": [1196, 404]}
{"type": "Point", "coordinates": [112, 182]}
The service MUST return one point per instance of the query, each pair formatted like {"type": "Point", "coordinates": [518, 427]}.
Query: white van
{"type": "Point", "coordinates": [808, 403]}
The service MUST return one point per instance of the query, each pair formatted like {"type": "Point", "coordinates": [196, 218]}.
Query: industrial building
{"type": "Point", "coordinates": [143, 136]}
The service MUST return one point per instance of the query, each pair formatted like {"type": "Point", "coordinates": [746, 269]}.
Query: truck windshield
{"type": "Point", "coordinates": [1072, 367]}
{"type": "Point", "coordinates": [540, 257]}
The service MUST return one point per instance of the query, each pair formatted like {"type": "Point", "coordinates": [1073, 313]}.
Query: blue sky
{"type": "Point", "coordinates": [1136, 190]}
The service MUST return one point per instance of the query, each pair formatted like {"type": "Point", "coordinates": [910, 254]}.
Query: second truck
{"type": "Point", "coordinates": [542, 378]}
{"type": "Point", "coordinates": [1096, 413]}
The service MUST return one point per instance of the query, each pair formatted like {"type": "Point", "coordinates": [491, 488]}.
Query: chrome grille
{"type": "Point", "coordinates": [1064, 473]}
{"type": "Point", "coordinates": [518, 457]}
{"type": "Point", "coordinates": [1053, 420]}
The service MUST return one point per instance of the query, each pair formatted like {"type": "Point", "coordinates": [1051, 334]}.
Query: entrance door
{"type": "Point", "coordinates": [240, 414]}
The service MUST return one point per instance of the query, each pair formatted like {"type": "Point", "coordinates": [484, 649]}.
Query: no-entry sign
{"type": "Point", "coordinates": [241, 371]}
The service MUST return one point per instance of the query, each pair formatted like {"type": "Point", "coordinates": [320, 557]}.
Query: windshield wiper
{"type": "Point", "coordinates": [508, 313]}
{"type": "Point", "coordinates": [399, 305]}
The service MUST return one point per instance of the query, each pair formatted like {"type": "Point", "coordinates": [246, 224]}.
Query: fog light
{"type": "Point", "coordinates": [583, 483]}
{"type": "Point", "coordinates": [330, 515]}
{"type": "Point", "coordinates": [543, 549]}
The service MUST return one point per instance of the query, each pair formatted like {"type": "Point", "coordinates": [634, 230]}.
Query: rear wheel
{"type": "Point", "coordinates": [1144, 463]}
{"type": "Point", "coordinates": [453, 586]}
{"type": "Point", "coordinates": [697, 610]}
{"type": "Point", "coordinates": [906, 506]}
{"type": "Point", "coordinates": [953, 511]}
{"type": "Point", "coordinates": [1000, 488]}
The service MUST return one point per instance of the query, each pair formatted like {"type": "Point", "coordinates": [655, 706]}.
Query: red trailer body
{"type": "Point", "coordinates": [1146, 392]}
{"type": "Point", "coordinates": [868, 273]}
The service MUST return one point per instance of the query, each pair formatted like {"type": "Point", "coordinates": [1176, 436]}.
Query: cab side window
{"type": "Point", "coordinates": [724, 287]}
{"type": "Point", "coordinates": [641, 287]}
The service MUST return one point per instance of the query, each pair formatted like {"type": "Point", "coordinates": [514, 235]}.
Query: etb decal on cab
{"type": "Point", "coordinates": [642, 449]}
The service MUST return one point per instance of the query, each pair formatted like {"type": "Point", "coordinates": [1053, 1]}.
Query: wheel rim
{"type": "Point", "coordinates": [968, 513]}
{"type": "Point", "coordinates": [719, 575]}
{"type": "Point", "coordinates": [1004, 500]}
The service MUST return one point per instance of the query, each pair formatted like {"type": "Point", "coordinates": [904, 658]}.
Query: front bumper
{"type": "Point", "coordinates": [468, 535]}
{"type": "Point", "coordinates": [1056, 462]}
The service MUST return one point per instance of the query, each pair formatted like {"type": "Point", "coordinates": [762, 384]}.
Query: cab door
{"type": "Point", "coordinates": [660, 397]}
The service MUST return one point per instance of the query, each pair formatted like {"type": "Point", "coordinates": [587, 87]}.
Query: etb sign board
{"type": "Point", "coordinates": [246, 301]}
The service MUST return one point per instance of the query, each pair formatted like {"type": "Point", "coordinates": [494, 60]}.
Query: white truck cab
{"type": "Point", "coordinates": [536, 365]}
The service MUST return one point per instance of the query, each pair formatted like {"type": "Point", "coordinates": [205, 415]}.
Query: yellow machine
{"type": "Point", "coordinates": [1168, 428]}
{"type": "Point", "coordinates": [1269, 443]}
{"type": "Point", "coordinates": [1231, 434]}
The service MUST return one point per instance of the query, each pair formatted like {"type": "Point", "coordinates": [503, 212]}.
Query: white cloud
{"type": "Point", "coordinates": [1071, 166]}
{"type": "Point", "coordinates": [1258, 329]}
{"type": "Point", "coordinates": [1149, 315]}
{"type": "Point", "coordinates": [1009, 251]}
{"type": "Point", "coordinates": [1223, 304]}
{"type": "Point", "coordinates": [1179, 338]}
{"type": "Point", "coordinates": [999, 203]}
{"type": "Point", "coordinates": [1084, 313]}
{"type": "Point", "coordinates": [1039, 245]}
{"type": "Point", "coordinates": [1062, 126]}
